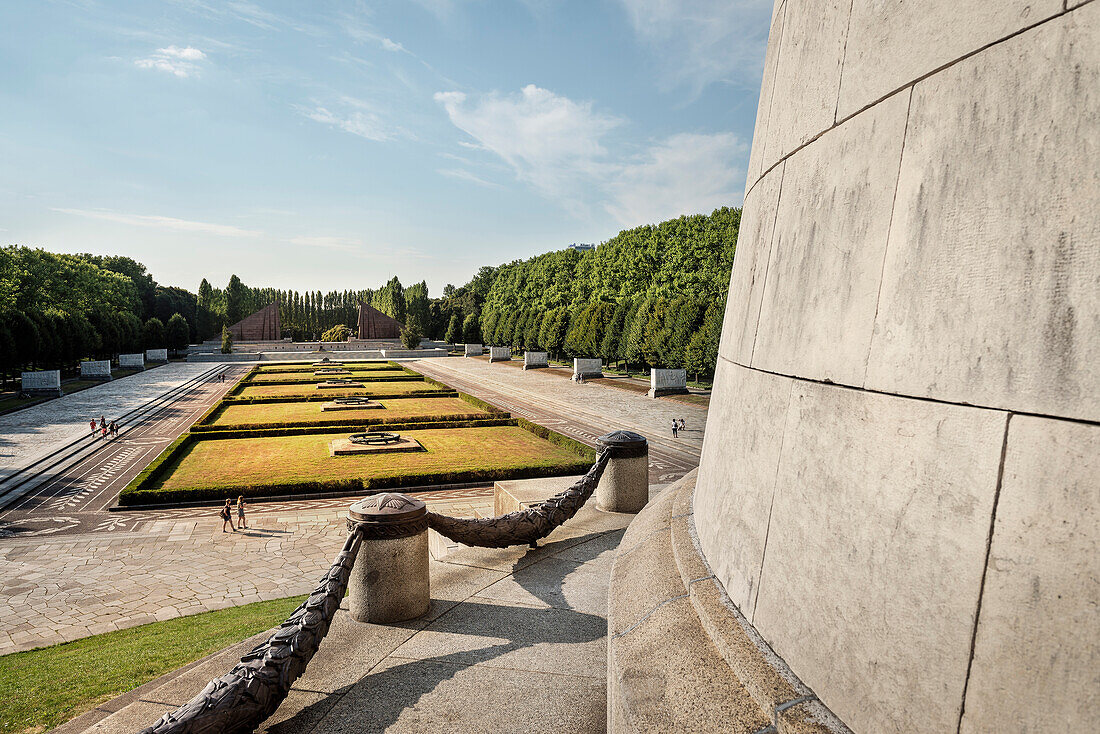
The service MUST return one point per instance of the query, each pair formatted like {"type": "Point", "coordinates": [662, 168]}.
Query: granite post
{"type": "Point", "coordinates": [624, 486]}
{"type": "Point", "coordinates": [389, 582]}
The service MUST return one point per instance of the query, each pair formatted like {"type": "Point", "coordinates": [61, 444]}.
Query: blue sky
{"type": "Point", "coordinates": [323, 145]}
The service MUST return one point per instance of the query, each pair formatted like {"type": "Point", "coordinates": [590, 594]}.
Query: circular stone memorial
{"type": "Point", "coordinates": [373, 443]}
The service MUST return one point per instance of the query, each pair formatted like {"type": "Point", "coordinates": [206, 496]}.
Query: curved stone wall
{"type": "Point", "coordinates": [900, 483]}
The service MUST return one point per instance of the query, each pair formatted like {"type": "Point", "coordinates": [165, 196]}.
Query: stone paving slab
{"type": "Point", "coordinates": [34, 432]}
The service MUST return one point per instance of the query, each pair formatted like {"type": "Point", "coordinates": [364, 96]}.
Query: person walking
{"type": "Point", "coordinates": [241, 522]}
{"type": "Point", "coordinates": [103, 429]}
{"type": "Point", "coordinates": [675, 427]}
{"type": "Point", "coordinates": [114, 430]}
{"type": "Point", "coordinates": [227, 516]}
{"type": "Point", "coordinates": [92, 424]}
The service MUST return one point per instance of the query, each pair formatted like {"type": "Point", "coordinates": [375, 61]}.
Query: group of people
{"type": "Point", "coordinates": [103, 428]}
{"type": "Point", "coordinates": [227, 514]}
{"type": "Point", "coordinates": [678, 424]}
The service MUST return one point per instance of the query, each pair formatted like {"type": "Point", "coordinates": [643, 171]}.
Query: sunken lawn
{"type": "Point", "coordinates": [310, 390]}
{"type": "Point", "coordinates": [210, 469]}
{"type": "Point", "coordinates": [310, 377]}
{"type": "Point", "coordinates": [257, 415]}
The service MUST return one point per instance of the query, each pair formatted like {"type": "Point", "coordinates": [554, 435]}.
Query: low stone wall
{"type": "Point", "coordinates": [667, 382]}
{"type": "Point", "coordinates": [412, 353]}
{"type": "Point", "coordinates": [532, 360]}
{"type": "Point", "coordinates": [500, 354]}
{"type": "Point", "coordinates": [100, 370]}
{"type": "Point", "coordinates": [131, 360]}
{"type": "Point", "coordinates": [587, 368]}
{"type": "Point", "coordinates": [156, 355]}
{"type": "Point", "coordinates": [44, 382]}
{"type": "Point", "coordinates": [473, 350]}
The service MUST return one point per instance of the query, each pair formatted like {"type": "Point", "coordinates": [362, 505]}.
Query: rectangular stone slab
{"type": "Point", "coordinates": [325, 407]}
{"type": "Point", "coordinates": [344, 447]}
{"type": "Point", "coordinates": [331, 385]}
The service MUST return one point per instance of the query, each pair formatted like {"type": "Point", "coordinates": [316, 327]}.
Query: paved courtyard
{"type": "Point", "coordinates": [114, 570]}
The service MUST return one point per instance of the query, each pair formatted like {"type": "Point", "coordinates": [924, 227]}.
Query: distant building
{"type": "Point", "coordinates": [582, 246]}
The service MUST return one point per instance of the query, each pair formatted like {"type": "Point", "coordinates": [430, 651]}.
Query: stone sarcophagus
{"type": "Point", "coordinates": [667, 382]}
{"type": "Point", "coordinates": [531, 360]}
{"type": "Point", "coordinates": [583, 368]}
{"type": "Point", "coordinates": [500, 354]}
{"type": "Point", "coordinates": [43, 382]}
{"type": "Point", "coordinates": [100, 370]}
{"type": "Point", "coordinates": [132, 360]}
{"type": "Point", "coordinates": [156, 355]}
{"type": "Point", "coordinates": [473, 350]}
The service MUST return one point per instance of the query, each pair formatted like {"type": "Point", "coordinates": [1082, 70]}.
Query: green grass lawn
{"type": "Point", "coordinates": [305, 377]}
{"type": "Point", "coordinates": [43, 688]}
{"type": "Point", "coordinates": [402, 387]}
{"type": "Point", "coordinates": [259, 414]}
{"type": "Point", "coordinates": [270, 461]}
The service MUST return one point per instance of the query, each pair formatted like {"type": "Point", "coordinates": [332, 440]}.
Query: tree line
{"type": "Point", "coordinates": [57, 309]}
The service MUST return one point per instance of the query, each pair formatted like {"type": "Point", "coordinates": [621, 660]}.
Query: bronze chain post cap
{"type": "Point", "coordinates": [624, 444]}
{"type": "Point", "coordinates": [389, 515]}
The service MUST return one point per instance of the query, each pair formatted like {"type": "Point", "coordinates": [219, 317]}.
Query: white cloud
{"type": "Point", "coordinates": [550, 141]}
{"type": "Point", "coordinates": [392, 45]}
{"type": "Point", "coordinates": [685, 174]}
{"type": "Point", "coordinates": [181, 62]}
{"type": "Point", "coordinates": [463, 175]}
{"type": "Point", "coordinates": [561, 148]}
{"type": "Point", "coordinates": [700, 42]}
{"type": "Point", "coordinates": [168, 223]}
{"type": "Point", "coordinates": [356, 117]}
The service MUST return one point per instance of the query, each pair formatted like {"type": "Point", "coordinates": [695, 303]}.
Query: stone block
{"type": "Point", "coordinates": [513, 495]}
{"type": "Point", "coordinates": [131, 360]}
{"type": "Point", "coordinates": [891, 44]}
{"type": "Point", "coordinates": [472, 350]}
{"type": "Point", "coordinates": [156, 355]}
{"type": "Point", "coordinates": [807, 75]}
{"type": "Point", "coordinates": [500, 354]}
{"type": "Point", "coordinates": [754, 247]}
{"type": "Point", "coordinates": [100, 370]}
{"type": "Point", "coordinates": [587, 368]}
{"type": "Point", "coordinates": [1037, 653]}
{"type": "Point", "coordinates": [531, 360]}
{"type": "Point", "coordinates": [41, 382]}
{"type": "Point", "coordinates": [821, 292]}
{"type": "Point", "coordinates": [875, 552]}
{"type": "Point", "coordinates": [733, 494]}
{"type": "Point", "coordinates": [337, 384]}
{"type": "Point", "coordinates": [333, 405]}
{"type": "Point", "coordinates": [989, 288]}
{"type": "Point", "coordinates": [667, 382]}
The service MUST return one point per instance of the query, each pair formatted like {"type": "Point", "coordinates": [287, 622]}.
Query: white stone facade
{"type": "Point", "coordinates": [899, 481]}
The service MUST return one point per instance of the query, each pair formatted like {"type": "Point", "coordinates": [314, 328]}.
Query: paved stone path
{"type": "Point", "coordinates": [31, 433]}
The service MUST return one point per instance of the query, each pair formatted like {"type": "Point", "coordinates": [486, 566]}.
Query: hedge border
{"type": "Point", "coordinates": [251, 430]}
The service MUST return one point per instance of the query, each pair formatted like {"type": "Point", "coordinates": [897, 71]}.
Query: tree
{"type": "Point", "coordinates": [411, 333]}
{"type": "Point", "coordinates": [235, 294]}
{"type": "Point", "coordinates": [177, 332]}
{"type": "Point", "coordinates": [227, 341]}
{"type": "Point", "coordinates": [338, 333]}
{"type": "Point", "coordinates": [454, 330]}
{"type": "Point", "coordinates": [701, 355]}
{"type": "Point", "coordinates": [152, 334]}
{"type": "Point", "coordinates": [531, 331]}
{"type": "Point", "coordinates": [471, 333]}
{"type": "Point", "coordinates": [204, 315]}
{"type": "Point", "coordinates": [613, 334]}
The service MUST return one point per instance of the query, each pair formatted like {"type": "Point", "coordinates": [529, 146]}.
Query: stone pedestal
{"type": "Point", "coordinates": [624, 486]}
{"type": "Point", "coordinates": [472, 350]}
{"type": "Point", "coordinates": [100, 370]}
{"type": "Point", "coordinates": [389, 581]}
{"type": "Point", "coordinates": [132, 360]}
{"type": "Point", "coordinates": [43, 382]}
{"type": "Point", "coordinates": [156, 355]}
{"type": "Point", "coordinates": [500, 354]}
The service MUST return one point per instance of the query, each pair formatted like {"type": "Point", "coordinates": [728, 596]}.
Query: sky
{"type": "Point", "coordinates": [331, 145]}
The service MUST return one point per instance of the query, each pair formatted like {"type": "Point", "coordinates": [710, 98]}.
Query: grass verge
{"type": "Point", "coordinates": [40, 689]}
